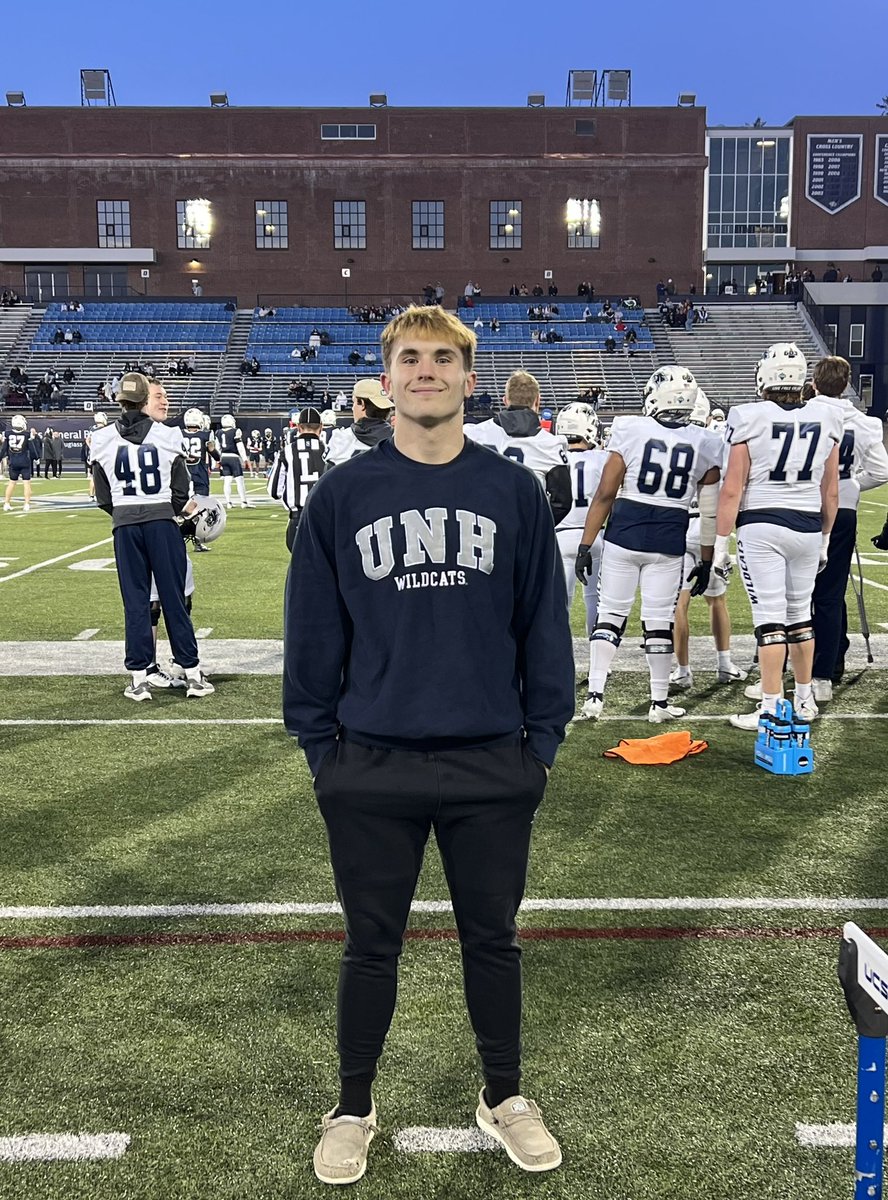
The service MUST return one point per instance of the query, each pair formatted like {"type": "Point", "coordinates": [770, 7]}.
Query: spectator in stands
{"type": "Point", "coordinates": [185, 367]}
{"type": "Point", "coordinates": [830, 275]}
{"type": "Point", "coordinates": [370, 357]}
{"type": "Point", "coordinates": [478, 326]}
{"type": "Point", "coordinates": [229, 306]}
{"type": "Point", "coordinates": [522, 291]}
{"type": "Point", "coordinates": [314, 340]}
{"type": "Point", "coordinates": [553, 290]}
{"type": "Point", "coordinates": [326, 340]}
{"type": "Point", "coordinates": [494, 325]}
{"type": "Point", "coordinates": [354, 358]}
{"type": "Point", "coordinates": [428, 293]}
{"type": "Point", "coordinates": [610, 344]}
{"type": "Point", "coordinates": [585, 289]}
{"type": "Point", "coordinates": [476, 290]}
{"type": "Point", "coordinates": [340, 403]}
{"type": "Point", "coordinates": [267, 311]}
{"type": "Point", "coordinates": [60, 398]}
{"type": "Point", "coordinates": [8, 298]}
{"type": "Point", "coordinates": [439, 292]}
{"type": "Point", "coordinates": [58, 337]}
{"type": "Point", "coordinates": [587, 313]}
{"type": "Point", "coordinates": [630, 340]}
{"type": "Point", "coordinates": [68, 376]}
{"type": "Point", "coordinates": [607, 312]}
{"type": "Point", "coordinates": [469, 290]}
{"type": "Point", "coordinates": [847, 278]}
{"type": "Point", "coordinates": [876, 274]}
{"type": "Point", "coordinates": [670, 287]}
{"type": "Point", "coordinates": [196, 288]}
{"type": "Point", "coordinates": [689, 316]}
{"type": "Point", "coordinates": [537, 290]}
{"type": "Point", "coordinates": [77, 337]}
{"type": "Point", "coordinates": [702, 314]}
{"type": "Point", "coordinates": [535, 335]}
{"type": "Point", "coordinates": [807, 275]}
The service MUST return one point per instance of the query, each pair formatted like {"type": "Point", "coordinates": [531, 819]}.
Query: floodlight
{"type": "Point", "coordinates": [536, 100]}
{"type": "Point", "coordinates": [15, 99]}
{"type": "Point", "coordinates": [583, 85]}
{"type": "Point", "coordinates": [378, 99]}
{"type": "Point", "coordinates": [218, 99]}
{"type": "Point", "coordinates": [687, 99]}
{"type": "Point", "coordinates": [96, 87]}
{"type": "Point", "coordinates": [618, 85]}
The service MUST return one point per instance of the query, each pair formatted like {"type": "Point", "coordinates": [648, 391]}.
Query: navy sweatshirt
{"type": "Point", "coordinates": [426, 608]}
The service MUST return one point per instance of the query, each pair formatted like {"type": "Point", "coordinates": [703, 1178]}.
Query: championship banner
{"type": "Point", "coordinates": [834, 163]}
{"type": "Point", "coordinates": [880, 188]}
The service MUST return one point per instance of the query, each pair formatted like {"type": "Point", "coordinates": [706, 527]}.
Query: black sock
{"type": "Point", "coordinates": [354, 1096]}
{"type": "Point", "coordinates": [497, 1089]}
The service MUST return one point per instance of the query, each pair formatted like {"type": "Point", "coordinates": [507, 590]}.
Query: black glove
{"type": "Point", "coordinates": [880, 541]}
{"type": "Point", "coordinates": [700, 577]}
{"type": "Point", "coordinates": [583, 565]}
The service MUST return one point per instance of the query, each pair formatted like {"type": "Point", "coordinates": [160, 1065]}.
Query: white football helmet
{"type": "Point", "coordinates": [194, 419]}
{"type": "Point", "coordinates": [700, 413]}
{"type": "Point", "coordinates": [228, 421]}
{"type": "Point", "coordinates": [209, 520]}
{"type": "Point", "coordinates": [205, 422]}
{"type": "Point", "coordinates": [19, 423]}
{"type": "Point", "coordinates": [268, 433]}
{"type": "Point", "coordinates": [717, 416]}
{"type": "Point", "coordinates": [782, 368]}
{"type": "Point", "coordinates": [579, 420]}
{"type": "Point", "coordinates": [254, 433]}
{"type": "Point", "coordinates": [328, 418]}
{"type": "Point", "coordinates": [670, 392]}
{"type": "Point", "coordinates": [101, 419]}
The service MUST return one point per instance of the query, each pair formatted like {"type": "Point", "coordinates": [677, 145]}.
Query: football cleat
{"type": "Point", "coordinates": [137, 691]}
{"type": "Point", "coordinates": [160, 679]}
{"type": "Point", "coordinates": [7, 508]}
{"type": "Point", "coordinates": [198, 685]}
{"type": "Point", "coordinates": [681, 679]}
{"type": "Point", "coordinates": [753, 691]}
{"type": "Point", "coordinates": [807, 709]}
{"type": "Point", "coordinates": [591, 710]}
{"type": "Point", "coordinates": [748, 720]}
{"type": "Point", "coordinates": [731, 674]}
{"type": "Point", "coordinates": [659, 713]}
{"type": "Point", "coordinates": [823, 689]}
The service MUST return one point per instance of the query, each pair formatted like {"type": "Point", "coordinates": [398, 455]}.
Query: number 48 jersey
{"type": "Point", "coordinates": [138, 474]}
{"type": "Point", "coordinates": [664, 466]}
{"type": "Point", "coordinates": [788, 448]}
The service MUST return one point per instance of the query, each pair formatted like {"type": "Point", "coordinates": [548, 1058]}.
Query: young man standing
{"type": "Point", "coordinates": [297, 467]}
{"type": "Point", "coordinates": [142, 482]}
{"type": "Point", "coordinates": [406, 728]}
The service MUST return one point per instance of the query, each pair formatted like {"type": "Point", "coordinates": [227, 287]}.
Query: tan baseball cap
{"type": "Point", "coordinates": [371, 389]}
{"type": "Point", "coordinates": [134, 389]}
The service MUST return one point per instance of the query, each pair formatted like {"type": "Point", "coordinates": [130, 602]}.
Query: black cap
{"type": "Point", "coordinates": [308, 416]}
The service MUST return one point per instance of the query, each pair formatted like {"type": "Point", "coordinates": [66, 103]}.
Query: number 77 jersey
{"type": "Point", "coordinates": [138, 473]}
{"type": "Point", "coordinates": [788, 448]}
{"type": "Point", "coordinates": [664, 466]}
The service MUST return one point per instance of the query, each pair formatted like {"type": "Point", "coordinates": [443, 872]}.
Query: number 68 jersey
{"type": "Point", "coordinates": [788, 448]}
{"type": "Point", "coordinates": [138, 474]}
{"type": "Point", "coordinates": [664, 466]}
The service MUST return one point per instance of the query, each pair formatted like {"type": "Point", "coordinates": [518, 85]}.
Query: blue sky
{"type": "Point", "coordinates": [744, 60]}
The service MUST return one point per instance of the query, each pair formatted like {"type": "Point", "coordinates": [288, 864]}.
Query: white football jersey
{"type": "Point", "coordinates": [342, 446]}
{"type": "Point", "coordinates": [540, 452]}
{"type": "Point", "coordinates": [788, 449]}
{"type": "Point", "coordinates": [137, 474]}
{"type": "Point", "coordinates": [585, 474]}
{"type": "Point", "coordinates": [664, 463]}
{"type": "Point", "coordinates": [861, 451]}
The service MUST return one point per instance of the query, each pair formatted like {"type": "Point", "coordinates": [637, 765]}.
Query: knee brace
{"type": "Point", "coordinates": [770, 635]}
{"type": "Point", "coordinates": [656, 641]}
{"type": "Point", "coordinates": [801, 631]}
{"type": "Point", "coordinates": [155, 612]}
{"type": "Point", "coordinates": [605, 631]}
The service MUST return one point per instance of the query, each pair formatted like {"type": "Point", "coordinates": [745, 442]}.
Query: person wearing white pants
{"type": "Point", "coordinates": [579, 423]}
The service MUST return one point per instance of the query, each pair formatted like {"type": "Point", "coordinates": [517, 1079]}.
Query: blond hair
{"type": "Point", "coordinates": [831, 375]}
{"type": "Point", "coordinates": [429, 322]}
{"type": "Point", "coordinates": [522, 390]}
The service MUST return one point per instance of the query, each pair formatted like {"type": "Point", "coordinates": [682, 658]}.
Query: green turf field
{"type": "Point", "coordinates": [670, 1066]}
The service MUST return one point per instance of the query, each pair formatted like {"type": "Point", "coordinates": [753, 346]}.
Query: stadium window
{"type": "Point", "coordinates": [194, 222]}
{"type": "Point", "coordinates": [113, 218]}
{"type": "Point", "coordinates": [748, 178]}
{"type": "Point", "coordinates": [348, 133]}
{"type": "Point", "coordinates": [350, 224]}
{"type": "Point", "coordinates": [428, 224]}
{"type": "Point", "coordinates": [272, 228]}
{"type": "Point", "coordinates": [505, 224]}
{"type": "Point", "coordinates": [583, 224]}
{"type": "Point", "coordinates": [855, 341]}
{"type": "Point", "coordinates": [831, 337]}
{"type": "Point", "coordinates": [584, 127]}
{"type": "Point", "coordinates": [865, 390]}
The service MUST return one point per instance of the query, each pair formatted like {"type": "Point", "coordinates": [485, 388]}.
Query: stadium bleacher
{"type": "Point", "coordinates": [145, 326]}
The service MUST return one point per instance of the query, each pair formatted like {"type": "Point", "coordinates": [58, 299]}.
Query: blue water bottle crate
{"type": "Point", "coordinates": [783, 742]}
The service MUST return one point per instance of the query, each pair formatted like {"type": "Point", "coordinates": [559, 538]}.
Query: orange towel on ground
{"type": "Point", "coordinates": [657, 751]}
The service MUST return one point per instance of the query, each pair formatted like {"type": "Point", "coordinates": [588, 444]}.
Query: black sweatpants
{"type": "Point", "coordinates": [155, 547]}
{"type": "Point", "coordinates": [829, 614]}
{"type": "Point", "coordinates": [379, 806]}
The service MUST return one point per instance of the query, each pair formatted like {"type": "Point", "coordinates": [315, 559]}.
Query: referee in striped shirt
{"type": "Point", "coordinates": [298, 466]}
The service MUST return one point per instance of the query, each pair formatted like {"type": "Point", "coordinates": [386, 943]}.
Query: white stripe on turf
{"type": "Point", "coordinates": [27, 1147]}
{"type": "Point", "coordinates": [829, 1137]}
{"type": "Point", "coordinates": [26, 912]}
{"type": "Point", "coordinates": [424, 1139]}
{"type": "Point", "coordinates": [84, 635]}
{"type": "Point", "coordinates": [50, 561]}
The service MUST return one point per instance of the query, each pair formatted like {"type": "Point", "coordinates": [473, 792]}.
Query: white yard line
{"type": "Point", "coordinates": [84, 635]}
{"type": "Point", "coordinates": [629, 904]}
{"type": "Point", "coordinates": [58, 1147]}
{"type": "Point", "coordinates": [51, 561]}
{"type": "Point", "coordinates": [829, 1137]}
{"type": "Point", "coordinates": [425, 1139]}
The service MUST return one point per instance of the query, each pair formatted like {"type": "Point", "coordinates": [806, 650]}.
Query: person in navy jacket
{"type": "Point", "coordinates": [433, 692]}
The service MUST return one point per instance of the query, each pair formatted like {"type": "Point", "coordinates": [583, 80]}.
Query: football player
{"type": "Point", "coordinates": [656, 465]}
{"type": "Point", "coordinates": [232, 457]}
{"type": "Point", "coordinates": [19, 452]}
{"type": "Point", "coordinates": [328, 424]}
{"type": "Point", "coordinates": [516, 433]}
{"type": "Point", "coordinates": [781, 489]}
{"type": "Point", "coordinates": [579, 424]}
{"type": "Point", "coordinates": [719, 617]}
{"type": "Point", "coordinates": [199, 448]}
{"type": "Point", "coordinates": [100, 422]}
{"type": "Point", "coordinates": [863, 464]}
{"type": "Point", "coordinates": [269, 448]}
{"type": "Point", "coordinates": [254, 450]}
{"type": "Point", "coordinates": [298, 467]}
{"type": "Point", "coordinates": [371, 407]}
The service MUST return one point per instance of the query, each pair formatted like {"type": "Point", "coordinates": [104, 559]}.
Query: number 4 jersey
{"type": "Point", "coordinates": [788, 448]}
{"type": "Point", "coordinates": [139, 469]}
{"type": "Point", "coordinates": [664, 466]}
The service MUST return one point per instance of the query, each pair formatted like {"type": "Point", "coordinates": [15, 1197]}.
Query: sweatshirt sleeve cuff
{"type": "Point", "coordinates": [316, 752]}
{"type": "Point", "coordinates": [543, 747]}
